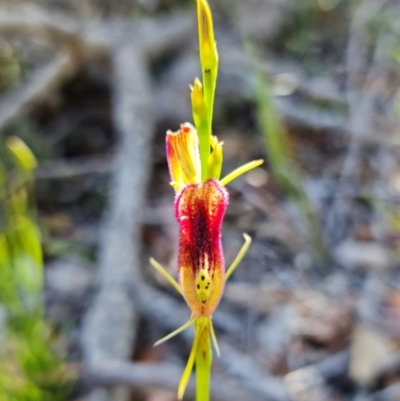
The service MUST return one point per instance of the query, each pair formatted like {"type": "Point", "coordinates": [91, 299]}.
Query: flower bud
{"type": "Point", "coordinates": [208, 48]}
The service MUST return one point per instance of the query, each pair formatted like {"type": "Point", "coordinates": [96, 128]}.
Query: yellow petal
{"type": "Point", "coordinates": [183, 155]}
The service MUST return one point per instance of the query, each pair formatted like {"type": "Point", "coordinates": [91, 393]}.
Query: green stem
{"type": "Point", "coordinates": [210, 83]}
{"type": "Point", "coordinates": [204, 134]}
{"type": "Point", "coordinates": [203, 361]}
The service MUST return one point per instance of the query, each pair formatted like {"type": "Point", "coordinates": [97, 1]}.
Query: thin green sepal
{"type": "Point", "coordinates": [189, 366]}
{"type": "Point", "coordinates": [174, 333]}
{"type": "Point", "coordinates": [214, 338]}
{"type": "Point", "coordinates": [166, 275]}
{"type": "Point", "coordinates": [241, 170]}
{"type": "Point", "coordinates": [239, 257]}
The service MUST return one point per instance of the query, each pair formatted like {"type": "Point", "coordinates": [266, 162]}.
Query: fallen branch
{"type": "Point", "coordinates": [40, 84]}
{"type": "Point", "coordinates": [244, 367]}
{"type": "Point", "coordinates": [61, 169]}
{"type": "Point", "coordinates": [361, 110]}
{"type": "Point", "coordinates": [110, 326]}
{"type": "Point", "coordinates": [154, 36]}
{"type": "Point", "coordinates": [164, 376]}
{"type": "Point", "coordinates": [81, 40]}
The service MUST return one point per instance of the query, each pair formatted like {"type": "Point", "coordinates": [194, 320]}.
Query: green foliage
{"type": "Point", "coordinates": [280, 163]}
{"type": "Point", "coordinates": [10, 67]}
{"type": "Point", "coordinates": [29, 370]}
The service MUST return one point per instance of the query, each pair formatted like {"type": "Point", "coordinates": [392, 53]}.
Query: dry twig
{"type": "Point", "coordinates": [164, 376]}
{"type": "Point", "coordinates": [41, 83]}
{"type": "Point", "coordinates": [110, 326]}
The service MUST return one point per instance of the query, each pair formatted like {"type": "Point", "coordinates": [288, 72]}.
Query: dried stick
{"type": "Point", "coordinates": [81, 40]}
{"type": "Point", "coordinates": [164, 376]}
{"type": "Point", "coordinates": [245, 368]}
{"type": "Point", "coordinates": [360, 103]}
{"type": "Point", "coordinates": [40, 84]}
{"type": "Point", "coordinates": [110, 325]}
{"type": "Point", "coordinates": [62, 168]}
{"type": "Point", "coordinates": [97, 37]}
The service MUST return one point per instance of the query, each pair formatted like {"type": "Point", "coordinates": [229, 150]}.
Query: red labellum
{"type": "Point", "coordinates": [199, 209]}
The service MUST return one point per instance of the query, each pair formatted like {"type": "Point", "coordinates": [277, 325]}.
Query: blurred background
{"type": "Point", "coordinates": [88, 89]}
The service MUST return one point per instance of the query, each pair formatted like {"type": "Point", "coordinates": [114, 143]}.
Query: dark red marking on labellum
{"type": "Point", "coordinates": [199, 209]}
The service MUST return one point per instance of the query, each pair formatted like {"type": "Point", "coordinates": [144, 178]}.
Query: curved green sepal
{"type": "Point", "coordinates": [189, 366]}
{"type": "Point", "coordinates": [241, 170]}
{"type": "Point", "coordinates": [239, 257]}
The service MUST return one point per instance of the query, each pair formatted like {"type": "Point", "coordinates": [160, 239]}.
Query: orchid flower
{"type": "Point", "coordinates": [195, 160]}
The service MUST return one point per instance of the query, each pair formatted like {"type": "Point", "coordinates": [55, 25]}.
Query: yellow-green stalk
{"type": "Point", "coordinates": [208, 56]}
{"type": "Point", "coordinates": [203, 360]}
{"type": "Point", "coordinates": [200, 118]}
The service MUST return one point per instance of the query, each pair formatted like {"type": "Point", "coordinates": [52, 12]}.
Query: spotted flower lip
{"type": "Point", "coordinates": [199, 209]}
{"type": "Point", "coordinates": [183, 156]}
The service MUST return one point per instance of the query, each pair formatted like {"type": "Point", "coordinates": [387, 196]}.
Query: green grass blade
{"type": "Point", "coordinates": [278, 156]}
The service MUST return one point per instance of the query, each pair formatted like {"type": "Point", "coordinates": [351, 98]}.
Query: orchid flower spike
{"type": "Point", "coordinates": [195, 159]}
